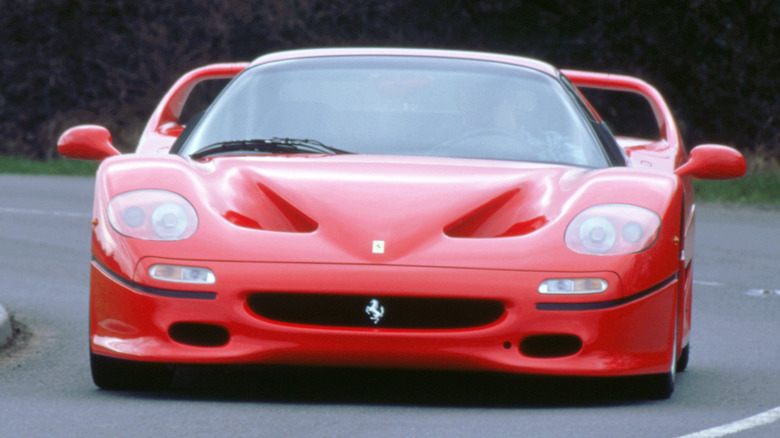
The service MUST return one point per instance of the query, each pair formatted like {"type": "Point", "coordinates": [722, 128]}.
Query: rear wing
{"type": "Point", "coordinates": [164, 125]}
{"type": "Point", "coordinates": [666, 152]}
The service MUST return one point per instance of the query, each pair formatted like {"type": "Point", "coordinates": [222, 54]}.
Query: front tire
{"type": "Point", "coordinates": [682, 362]}
{"type": "Point", "coordinates": [118, 374]}
{"type": "Point", "coordinates": [658, 386]}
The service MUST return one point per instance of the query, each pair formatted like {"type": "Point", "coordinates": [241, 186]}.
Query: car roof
{"type": "Point", "coordinates": [436, 53]}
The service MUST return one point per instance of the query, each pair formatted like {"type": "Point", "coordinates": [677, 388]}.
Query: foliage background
{"type": "Point", "coordinates": [67, 62]}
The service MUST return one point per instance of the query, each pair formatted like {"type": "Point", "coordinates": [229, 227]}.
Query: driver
{"type": "Point", "coordinates": [488, 106]}
{"type": "Point", "coordinates": [492, 122]}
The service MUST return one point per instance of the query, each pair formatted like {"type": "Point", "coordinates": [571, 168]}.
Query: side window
{"type": "Point", "coordinates": [599, 123]}
{"type": "Point", "coordinates": [627, 114]}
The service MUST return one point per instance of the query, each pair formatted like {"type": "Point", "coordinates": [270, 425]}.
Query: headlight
{"type": "Point", "coordinates": [611, 229]}
{"type": "Point", "coordinates": [152, 215]}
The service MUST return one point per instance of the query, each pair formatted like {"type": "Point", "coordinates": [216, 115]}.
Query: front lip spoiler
{"type": "Point", "coordinates": [601, 305]}
{"type": "Point", "coordinates": [167, 293]}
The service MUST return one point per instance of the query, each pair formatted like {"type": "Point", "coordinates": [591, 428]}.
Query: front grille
{"type": "Point", "coordinates": [387, 311]}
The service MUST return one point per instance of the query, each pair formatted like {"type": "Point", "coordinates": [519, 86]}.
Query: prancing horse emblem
{"type": "Point", "coordinates": [375, 311]}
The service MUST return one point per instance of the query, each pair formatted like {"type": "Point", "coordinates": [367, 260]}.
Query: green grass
{"type": "Point", "coordinates": [62, 166]}
{"type": "Point", "coordinates": [759, 186]}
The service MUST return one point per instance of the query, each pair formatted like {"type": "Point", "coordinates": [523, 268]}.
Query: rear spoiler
{"type": "Point", "coordinates": [670, 136]}
{"type": "Point", "coordinates": [164, 125]}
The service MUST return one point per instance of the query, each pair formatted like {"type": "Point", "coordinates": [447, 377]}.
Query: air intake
{"type": "Point", "coordinates": [199, 334]}
{"type": "Point", "coordinates": [550, 346]}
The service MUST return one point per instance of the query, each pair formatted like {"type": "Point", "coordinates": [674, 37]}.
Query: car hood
{"type": "Point", "coordinates": [389, 197]}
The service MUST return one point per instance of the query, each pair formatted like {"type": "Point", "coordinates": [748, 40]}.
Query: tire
{"type": "Point", "coordinates": [682, 362]}
{"type": "Point", "coordinates": [118, 374]}
{"type": "Point", "coordinates": [657, 386]}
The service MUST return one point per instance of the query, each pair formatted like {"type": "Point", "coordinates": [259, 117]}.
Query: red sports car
{"type": "Point", "coordinates": [401, 208]}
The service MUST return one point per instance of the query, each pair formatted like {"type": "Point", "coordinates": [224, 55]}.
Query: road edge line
{"type": "Point", "coordinates": [762, 419]}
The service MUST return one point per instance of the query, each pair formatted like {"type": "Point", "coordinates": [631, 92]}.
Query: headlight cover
{"type": "Point", "coordinates": [152, 215]}
{"type": "Point", "coordinates": [613, 229]}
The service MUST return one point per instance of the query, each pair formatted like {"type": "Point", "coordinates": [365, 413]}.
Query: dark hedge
{"type": "Point", "coordinates": [67, 62]}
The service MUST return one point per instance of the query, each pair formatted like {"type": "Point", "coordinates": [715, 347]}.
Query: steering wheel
{"type": "Point", "coordinates": [480, 133]}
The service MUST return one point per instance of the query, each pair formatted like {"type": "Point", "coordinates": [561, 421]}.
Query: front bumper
{"type": "Point", "coordinates": [613, 333]}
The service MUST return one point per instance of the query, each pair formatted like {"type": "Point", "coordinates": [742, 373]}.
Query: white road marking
{"type": "Point", "coordinates": [761, 419]}
{"type": "Point", "coordinates": [763, 292]}
{"type": "Point", "coordinates": [707, 283]}
{"type": "Point", "coordinates": [37, 212]}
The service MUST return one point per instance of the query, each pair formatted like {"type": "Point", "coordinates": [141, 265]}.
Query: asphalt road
{"type": "Point", "coordinates": [732, 384]}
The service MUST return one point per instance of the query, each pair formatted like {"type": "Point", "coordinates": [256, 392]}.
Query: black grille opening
{"type": "Point", "coordinates": [550, 346]}
{"type": "Point", "coordinates": [387, 311]}
{"type": "Point", "coordinates": [199, 334]}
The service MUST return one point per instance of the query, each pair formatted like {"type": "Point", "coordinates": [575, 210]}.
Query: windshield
{"type": "Point", "coordinates": [397, 105]}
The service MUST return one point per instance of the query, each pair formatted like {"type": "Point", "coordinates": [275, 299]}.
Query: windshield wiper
{"type": "Point", "coordinates": [275, 145]}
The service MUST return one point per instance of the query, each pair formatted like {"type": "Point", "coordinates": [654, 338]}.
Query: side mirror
{"type": "Point", "coordinates": [86, 142]}
{"type": "Point", "coordinates": [711, 161]}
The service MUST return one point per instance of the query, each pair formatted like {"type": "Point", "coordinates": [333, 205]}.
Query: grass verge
{"type": "Point", "coordinates": [757, 187]}
{"type": "Point", "coordinates": [24, 166]}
